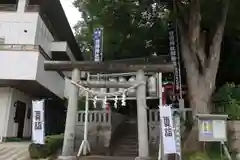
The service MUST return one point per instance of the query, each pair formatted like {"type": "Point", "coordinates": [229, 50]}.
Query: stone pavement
{"type": "Point", "coordinates": [14, 151]}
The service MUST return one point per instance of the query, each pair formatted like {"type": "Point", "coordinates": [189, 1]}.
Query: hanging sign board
{"type": "Point", "coordinates": [38, 122]}
{"type": "Point", "coordinates": [168, 135]}
{"type": "Point", "coordinates": [98, 45]}
{"type": "Point", "coordinates": [174, 55]}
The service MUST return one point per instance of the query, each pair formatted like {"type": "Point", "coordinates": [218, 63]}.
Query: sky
{"type": "Point", "coordinates": [71, 12]}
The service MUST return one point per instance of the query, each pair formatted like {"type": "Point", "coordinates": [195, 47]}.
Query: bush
{"type": "Point", "coordinates": [52, 145]}
{"type": "Point", "coordinates": [196, 156]}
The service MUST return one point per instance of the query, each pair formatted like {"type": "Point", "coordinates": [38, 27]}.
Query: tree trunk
{"type": "Point", "coordinates": [201, 63]}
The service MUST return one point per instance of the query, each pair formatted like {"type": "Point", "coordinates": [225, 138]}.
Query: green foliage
{"type": "Point", "coordinates": [199, 156]}
{"type": "Point", "coordinates": [195, 156]}
{"type": "Point", "coordinates": [227, 101]}
{"type": "Point", "coordinates": [213, 153]}
{"type": "Point", "coordinates": [52, 145]}
{"type": "Point", "coordinates": [131, 28]}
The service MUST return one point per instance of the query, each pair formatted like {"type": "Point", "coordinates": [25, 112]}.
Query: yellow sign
{"type": "Point", "coordinates": [207, 127]}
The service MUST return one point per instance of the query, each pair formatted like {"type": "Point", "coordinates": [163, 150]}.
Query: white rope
{"type": "Point", "coordinates": [104, 93]}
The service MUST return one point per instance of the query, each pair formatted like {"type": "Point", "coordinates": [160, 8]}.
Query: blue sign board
{"type": "Point", "coordinates": [98, 45]}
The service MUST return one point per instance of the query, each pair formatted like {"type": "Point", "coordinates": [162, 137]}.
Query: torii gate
{"type": "Point", "coordinates": [139, 65]}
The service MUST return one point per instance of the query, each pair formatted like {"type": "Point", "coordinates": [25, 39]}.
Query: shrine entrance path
{"type": "Point", "coordinates": [14, 151]}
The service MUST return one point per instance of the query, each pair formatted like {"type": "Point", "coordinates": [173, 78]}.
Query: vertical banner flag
{"type": "Point", "coordinates": [168, 135]}
{"type": "Point", "coordinates": [98, 45]}
{"type": "Point", "coordinates": [174, 55]}
{"type": "Point", "coordinates": [177, 125]}
{"type": "Point", "coordinates": [38, 122]}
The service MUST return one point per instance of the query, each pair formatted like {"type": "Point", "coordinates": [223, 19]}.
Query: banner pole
{"type": "Point", "coordinates": [160, 105]}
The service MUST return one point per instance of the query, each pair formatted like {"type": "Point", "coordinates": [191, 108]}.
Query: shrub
{"type": "Point", "coordinates": [199, 156]}
{"type": "Point", "coordinates": [196, 156]}
{"type": "Point", "coordinates": [52, 145]}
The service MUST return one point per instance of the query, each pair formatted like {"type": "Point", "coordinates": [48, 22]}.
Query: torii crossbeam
{"type": "Point", "coordinates": [153, 64]}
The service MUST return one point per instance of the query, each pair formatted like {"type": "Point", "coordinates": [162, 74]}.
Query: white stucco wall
{"type": "Point", "coordinates": [18, 28]}
{"type": "Point", "coordinates": [29, 65]}
{"type": "Point", "coordinates": [18, 65]}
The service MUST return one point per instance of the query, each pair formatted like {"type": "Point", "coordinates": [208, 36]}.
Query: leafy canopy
{"type": "Point", "coordinates": [131, 28]}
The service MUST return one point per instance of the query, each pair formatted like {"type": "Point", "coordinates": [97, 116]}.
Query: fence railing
{"type": "Point", "coordinates": [94, 117]}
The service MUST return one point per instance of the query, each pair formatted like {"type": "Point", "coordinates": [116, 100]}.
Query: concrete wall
{"type": "Point", "coordinates": [8, 96]}
{"type": "Point", "coordinates": [43, 36]}
{"type": "Point", "coordinates": [29, 65]}
{"type": "Point", "coordinates": [18, 28]}
{"type": "Point", "coordinates": [16, 65]}
{"type": "Point", "coordinates": [51, 80]}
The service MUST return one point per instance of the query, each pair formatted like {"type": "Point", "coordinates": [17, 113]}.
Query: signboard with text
{"type": "Point", "coordinates": [167, 130]}
{"type": "Point", "coordinates": [98, 45]}
{"type": "Point", "coordinates": [212, 128]}
{"type": "Point", "coordinates": [175, 58]}
{"type": "Point", "coordinates": [38, 122]}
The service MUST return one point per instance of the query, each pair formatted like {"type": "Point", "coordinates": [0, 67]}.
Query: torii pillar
{"type": "Point", "coordinates": [69, 134]}
{"type": "Point", "coordinates": [143, 146]}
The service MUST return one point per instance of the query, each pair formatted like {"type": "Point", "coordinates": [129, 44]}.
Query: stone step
{"type": "Point", "coordinates": [133, 143]}
{"type": "Point", "coordinates": [126, 147]}
{"type": "Point", "coordinates": [124, 154]}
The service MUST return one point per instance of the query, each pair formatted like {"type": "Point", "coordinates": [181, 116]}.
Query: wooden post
{"type": "Point", "coordinates": [69, 135]}
{"type": "Point", "coordinates": [143, 146]}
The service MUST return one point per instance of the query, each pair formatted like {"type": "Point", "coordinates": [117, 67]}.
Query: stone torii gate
{"type": "Point", "coordinates": [139, 65]}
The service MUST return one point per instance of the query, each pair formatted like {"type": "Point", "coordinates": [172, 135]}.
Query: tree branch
{"type": "Point", "coordinates": [197, 39]}
{"type": "Point", "coordinates": [215, 47]}
{"type": "Point", "coordinates": [194, 22]}
{"type": "Point", "coordinates": [183, 21]}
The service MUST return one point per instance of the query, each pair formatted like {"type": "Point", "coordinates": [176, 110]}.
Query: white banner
{"type": "Point", "coordinates": [38, 122]}
{"type": "Point", "coordinates": [177, 125]}
{"type": "Point", "coordinates": [168, 135]}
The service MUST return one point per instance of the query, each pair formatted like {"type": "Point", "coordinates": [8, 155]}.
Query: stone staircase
{"type": "Point", "coordinates": [14, 151]}
{"type": "Point", "coordinates": [127, 143]}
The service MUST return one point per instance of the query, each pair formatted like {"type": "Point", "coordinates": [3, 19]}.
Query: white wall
{"type": "Point", "coordinates": [5, 101]}
{"type": "Point", "coordinates": [29, 65]}
{"type": "Point", "coordinates": [50, 79]}
{"type": "Point", "coordinates": [43, 37]}
{"type": "Point", "coordinates": [13, 127]}
{"type": "Point", "coordinates": [25, 28]}
{"type": "Point", "coordinates": [18, 65]}
{"type": "Point", "coordinates": [18, 28]}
